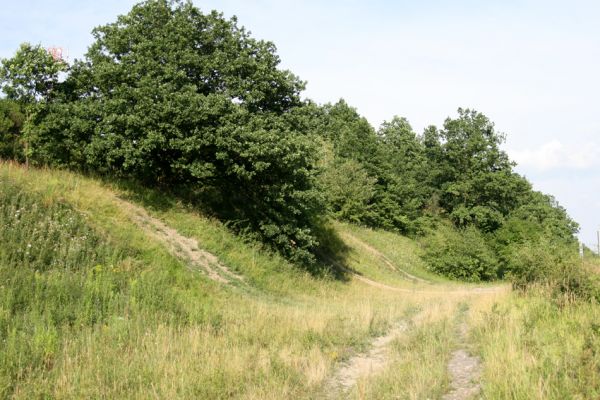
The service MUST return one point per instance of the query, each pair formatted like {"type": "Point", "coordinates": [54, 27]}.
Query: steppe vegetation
{"type": "Point", "coordinates": [177, 221]}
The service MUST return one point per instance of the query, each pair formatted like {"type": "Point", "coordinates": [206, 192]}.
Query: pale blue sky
{"type": "Point", "coordinates": [531, 66]}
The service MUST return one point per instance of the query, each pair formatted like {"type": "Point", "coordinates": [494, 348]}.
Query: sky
{"type": "Point", "coordinates": [533, 67]}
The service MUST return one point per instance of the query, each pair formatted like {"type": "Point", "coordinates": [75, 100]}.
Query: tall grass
{"type": "Point", "coordinates": [534, 347]}
{"type": "Point", "coordinates": [41, 236]}
{"type": "Point", "coordinates": [418, 360]}
{"type": "Point", "coordinates": [52, 278]}
{"type": "Point", "coordinates": [97, 309]}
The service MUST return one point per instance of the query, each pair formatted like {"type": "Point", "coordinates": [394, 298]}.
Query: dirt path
{"type": "Point", "coordinates": [364, 364]}
{"type": "Point", "coordinates": [464, 370]}
{"type": "Point", "coordinates": [180, 246]}
{"type": "Point", "coordinates": [386, 261]}
{"type": "Point", "coordinates": [458, 291]}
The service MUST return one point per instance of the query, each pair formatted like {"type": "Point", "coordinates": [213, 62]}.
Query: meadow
{"type": "Point", "coordinates": [92, 306]}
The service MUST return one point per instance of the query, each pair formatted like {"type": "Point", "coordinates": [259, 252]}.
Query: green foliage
{"type": "Point", "coordinates": [351, 135]}
{"type": "Point", "coordinates": [473, 175]}
{"type": "Point", "coordinates": [29, 78]}
{"type": "Point", "coordinates": [405, 169]}
{"type": "Point", "coordinates": [544, 213]}
{"type": "Point", "coordinates": [555, 265]}
{"type": "Point", "coordinates": [473, 184]}
{"type": "Point", "coordinates": [11, 125]}
{"type": "Point", "coordinates": [460, 254]}
{"type": "Point", "coordinates": [390, 162]}
{"type": "Point", "coordinates": [349, 190]}
{"type": "Point", "coordinates": [170, 96]}
{"type": "Point", "coordinates": [30, 75]}
{"type": "Point", "coordinates": [351, 148]}
{"type": "Point", "coordinates": [536, 245]}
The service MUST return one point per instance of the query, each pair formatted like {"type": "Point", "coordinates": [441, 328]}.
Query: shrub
{"type": "Point", "coordinates": [552, 264]}
{"type": "Point", "coordinates": [173, 97]}
{"type": "Point", "coordinates": [349, 190]}
{"type": "Point", "coordinates": [460, 254]}
{"type": "Point", "coordinates": [11, 124]}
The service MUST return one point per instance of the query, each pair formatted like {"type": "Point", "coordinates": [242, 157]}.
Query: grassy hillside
{"type": "Point", "coordinates": [538, 349]}
{"type": "Point", "coordinates": [229, 273]}
{"type": "Point", "coordinates": [94, 304]}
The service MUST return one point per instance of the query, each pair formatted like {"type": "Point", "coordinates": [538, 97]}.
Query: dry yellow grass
{"type": "Point", "coordinates": [534, 348]}
{"type": "Point", "coordinates": [282, 339]}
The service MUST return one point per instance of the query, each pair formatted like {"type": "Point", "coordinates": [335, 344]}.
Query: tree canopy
{"type": "Point", "coordinates": [30, 75]}
{"type": "Point", "coordinates": [169, 96]}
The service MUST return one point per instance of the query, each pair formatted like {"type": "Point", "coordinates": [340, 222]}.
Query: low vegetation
{"type": "Point", "coordinates": [172, 97]}
{"type": "Point", "coordinates": [536, 348]}
{"type": "Point", "coordinates": [114, 314]}
{"type": "Point", "coordinates": [128, 316]}
{"type": "Point", "coordinates": [338, 232]}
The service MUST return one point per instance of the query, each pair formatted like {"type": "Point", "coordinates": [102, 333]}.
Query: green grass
{"type": "Point", "coordinates": [402, 252]}
{"type": "Point", "coordinates": [418, 360]}
{"type": "Point", "coordinates": [97, 309]}
{"type": "Point", "coordinates": [535, 348]}
{"type": "Point", "coordinates": [93, 307]}
{"type": "Point", "coordinates": [60, 277]}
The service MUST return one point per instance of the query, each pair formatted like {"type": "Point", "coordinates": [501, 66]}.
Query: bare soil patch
{"type": "Point", "coordinates": [364, 364]}
{"type": "Point", "coordinates": [465, 372]}
{"type": "Point", "coordinates": [182, 247]}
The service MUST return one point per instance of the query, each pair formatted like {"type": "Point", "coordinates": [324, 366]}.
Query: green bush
{"type": "Point", "coordinates": [349, 190]}
{"type": "Point", "coordinates": [173, 97]}
{"type": "Point", "coordinates": [460, 254]}
{"type": "Point", "coordinates": [11, 124]}
{"type": "Point", "coordinates": [556, 265]}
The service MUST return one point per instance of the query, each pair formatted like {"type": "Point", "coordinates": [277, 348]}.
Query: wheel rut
{"type": "Point", "coordinates": [180, 246]}
{"type": "Point", "coordinates": [464, 370]}
{"type": "Point", "coordinates": [364, 364]}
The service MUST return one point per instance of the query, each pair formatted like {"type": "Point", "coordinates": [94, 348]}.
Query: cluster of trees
{"type": "Point", "coordinates": [170, 96]}
{"type": "Point", "coordinates": [454, 186]}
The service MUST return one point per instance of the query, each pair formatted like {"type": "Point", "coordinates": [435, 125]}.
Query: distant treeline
{"type": "Point", "coordinates": [170, 96]}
